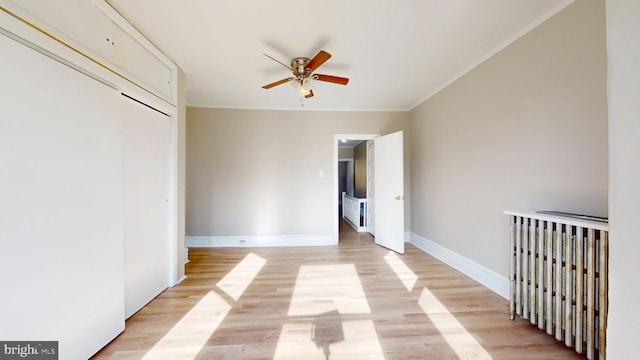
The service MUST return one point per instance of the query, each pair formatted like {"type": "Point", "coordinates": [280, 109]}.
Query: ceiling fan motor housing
{"type": "Point", "coordinates": [299, 66]}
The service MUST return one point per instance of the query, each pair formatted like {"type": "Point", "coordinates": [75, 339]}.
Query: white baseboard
{"type": "Point", "coordinates": [489, 278]}
{"type": "Point", "coordinates": [181, 279]}
{"type": "Point", "coordinates": [261, 241]}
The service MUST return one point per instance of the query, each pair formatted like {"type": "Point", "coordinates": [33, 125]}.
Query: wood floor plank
{"type": "Point", "coordinates": [341, 302]}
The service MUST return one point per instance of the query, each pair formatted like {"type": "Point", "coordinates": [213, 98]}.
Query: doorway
{"type": "Point", "coordinates": [345, 179]}
{"type": "Point", "coordinates": [387, 197]}
{"type": "Point", "coordinates": [337, 140]}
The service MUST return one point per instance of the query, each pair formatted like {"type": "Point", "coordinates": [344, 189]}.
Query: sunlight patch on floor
{"type": "Point", "coordinates": [238, 279]}
{"type": "Point", "coordinates": [329, 317]}
{"type": "Point", "coordinates": [190, 334]}
{"type": "Point", "coordinates": [338, 339]}
{"type": "Point", "coordinates": [458, 338]}
{"type": "Point", "coordinates": [325, 288]}
{"type": "Point", "coordinates": [406, 275]}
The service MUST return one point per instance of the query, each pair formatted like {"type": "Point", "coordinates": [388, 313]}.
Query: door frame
{"type": "Point", "coordinates": [336, 189]}
{"type": "Point", "coordinates": [371, 223]}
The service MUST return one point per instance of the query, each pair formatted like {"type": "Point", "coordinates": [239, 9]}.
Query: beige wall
{"type": "Point", "coordinates": [360, 170]}
{"type": "Point", "coordinates": [623, 19]}
{"type": "Point", "coordinates": [269, 184]}
{"type": "Point", "coordinates": [345, 153]}
{"type": "Point", "coordinates": [527, 129]}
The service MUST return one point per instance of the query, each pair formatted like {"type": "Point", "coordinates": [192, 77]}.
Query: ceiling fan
{"type": "Point", "coordinates": [302, 69]}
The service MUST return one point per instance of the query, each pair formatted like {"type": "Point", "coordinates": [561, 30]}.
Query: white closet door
{"type": "Point", "coordinates": [61, 214]}
{"type": "Point", "coordinates": [146, 187]}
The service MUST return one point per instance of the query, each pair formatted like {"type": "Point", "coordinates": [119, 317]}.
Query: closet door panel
{"type": "Point", "coordinates": [61, 204]}
{"type": "Point", "coordinates": [146, 187]}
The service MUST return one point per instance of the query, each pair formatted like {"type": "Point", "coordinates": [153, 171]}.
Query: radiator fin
{"type": "Point", "coordinates": [559, 281]}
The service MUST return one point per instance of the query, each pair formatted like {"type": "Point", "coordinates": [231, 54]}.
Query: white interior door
{"type": "Point", "coordinates": [389, 191]}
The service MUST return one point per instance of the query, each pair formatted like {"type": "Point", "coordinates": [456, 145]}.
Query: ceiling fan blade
{"type": "Point", "coordinates": [287, 66]}
{"type": "Point", "coordinates": [318, 60]}
{"type": "Point", "coordinates": [331, 79]}
{"type": "Point", "coordinates": [279, 82]}
{"type": "Point", "coordinates": [310, 94]}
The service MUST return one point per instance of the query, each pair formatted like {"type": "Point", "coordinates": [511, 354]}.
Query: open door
{"type": "Point", "coordinates": [389, 191]}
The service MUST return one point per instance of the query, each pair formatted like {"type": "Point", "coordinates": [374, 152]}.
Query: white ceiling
{"type": "Point", "coordinates": [396, 53]}
{"type": "Point", "coordinates": [349, 143]}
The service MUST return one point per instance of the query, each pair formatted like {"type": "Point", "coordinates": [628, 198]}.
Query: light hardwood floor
{"type": "Point", "coordinates": [352, 301]}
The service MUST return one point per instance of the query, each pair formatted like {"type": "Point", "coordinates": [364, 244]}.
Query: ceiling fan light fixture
{"type": "Point", "coordinates": [305, 87]}
{"type": "Point", "coordinates": [302, 87]}
{"type": "Point", "coordinates": [306, 84]}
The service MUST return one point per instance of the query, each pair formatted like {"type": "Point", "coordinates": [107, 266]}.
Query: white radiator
{"type": "Point", "coordinates": [559, 278]}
